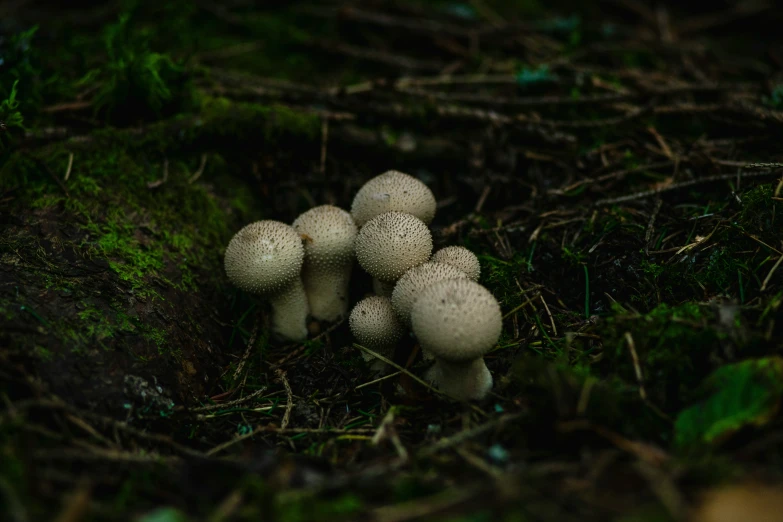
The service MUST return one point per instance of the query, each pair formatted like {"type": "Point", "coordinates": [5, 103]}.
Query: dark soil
{"type": "Point", "coordinates": [615, 166]}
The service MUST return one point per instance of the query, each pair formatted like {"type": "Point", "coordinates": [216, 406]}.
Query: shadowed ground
{"type": "Point", "coordinates": [614, 166]}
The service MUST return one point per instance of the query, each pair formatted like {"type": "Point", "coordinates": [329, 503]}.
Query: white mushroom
{"type": "Point", "coordinates": [392, 243]}
{"type": "Point", "coordinates": [375, 326]}
{"type": "Point", "coordinates": [411, 284]}
{"type": "Point", "coordinates": [329, 234]}
{"type": "Point", "coordinates": [461, 258]}
{"type": "Point", "coordinates": [393, 190]}
{"type": "Point", "coordinates": [265, 258]}
{"type": "Point", "coordinates": [458, 321]}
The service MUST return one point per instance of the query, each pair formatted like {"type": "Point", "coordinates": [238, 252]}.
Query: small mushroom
{"type": "Point", "coordinates": [329, 234]}
{"type": "Point", "coordinates": [393, 190]}
{"type": "Point", "coordinates": [461, 258]}
{"type": "Point", "coordinates": [410, 285]}
{"type": "Point", "coordinates": [390, 244]}
{"type": "Point", "coordinates": [265, 258]}
{"type": "Point", "coordinates": [458, 321]}
{"type": "Point", "coordinates": [375, 326]}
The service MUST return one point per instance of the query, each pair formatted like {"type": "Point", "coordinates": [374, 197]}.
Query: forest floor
{"type": "Point", "coordinates": [615, 166]}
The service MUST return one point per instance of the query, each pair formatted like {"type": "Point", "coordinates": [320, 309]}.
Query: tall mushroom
{"type": "Point", "coordinates": [393, 190]}
{"type": "Point", "coordinates": [461, 258]}
{"type": "Point", "coordinates": [390, 244]}
{"type": "Point", "coordinates": [375, 326]}
{"type": "Point", "coordinates": [329, 234]}
{"type": "Point", "coordinates": [458, 321]}
{"type": "Point", "coordinates": [265, 258]}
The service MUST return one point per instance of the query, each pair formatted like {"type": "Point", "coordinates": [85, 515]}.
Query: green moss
{"type": "Point", "coordinates": [157, 336]}
{"type": "Point", "coordinates": [133, 235]}
{"type": "Point", "coordinates": [562, 381]}
{"type": "Point", "coordinates": [721, 269]}
{"type": "Point", "coordinates": [95, 326]}
{"type": "Point", "coordinates": [136, 83]}
{"type": "Point", "coordinates": [131, 261]}
{"type": "Point", "coordinates": [733, 263]}
{"type": "Point", "coordinates": [225, 117]}
{"type": "Point", "coordinates": [43, 353]}
{"type": "Point", "coordinates": [151, 238]}
{"type": "Point", "coordinates": [757, 209]}
{"type": "Point", "coordinates": [673, 343]}
{"type": "Point", "coordinates": [18, 170]}
{"type": "Point", "coordinates": [652, 270]}
{"type": "Point", "coordinates": [19, 72]}
{"type": "Point", "coordinates": [291, 508]}
{"type": "Point", "coordinates": [572, 256]}
{"type": "Point", "coordinates": [134, 325]}
{"type": "Point", "coordinates": [501, 278]}
{"type": "Point", "coordinates": [10, 116]}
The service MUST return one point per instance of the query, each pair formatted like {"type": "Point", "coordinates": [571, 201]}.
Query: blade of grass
{"type": "Point", "coordinates": [587, 292]}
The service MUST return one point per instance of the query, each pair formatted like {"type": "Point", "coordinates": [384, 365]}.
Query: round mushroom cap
{"type": "Point", "coordinates": [392, 243]}
{"type": "Point", "coordinates": [393, 190]}
{"type": "Point", "coordinates": [329, 234]}
{"type": "Point", "coordinates": [264, 257]}
{"type": "Point", "coordinates": [410, 285]}
{"type": "Point", "coordinates": [461, 258]}
{"type": "Point", "coordinates": [373, 322]}
{"type": "Point", "coordinates": [456, 320]}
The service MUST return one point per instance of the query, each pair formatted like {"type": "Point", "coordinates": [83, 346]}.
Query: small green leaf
{"type": "Point", "coordinates": [744, 394]}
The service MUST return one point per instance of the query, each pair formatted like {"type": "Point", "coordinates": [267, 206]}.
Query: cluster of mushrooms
{"type": "Point", "coordinates": [304, 269]}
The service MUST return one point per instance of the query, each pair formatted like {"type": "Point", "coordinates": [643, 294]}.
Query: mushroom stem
{"type": "Point", "coordinates": [328, 292]}
{"type": "Point", "coordinates": [381, 288]}
{"type": "Point", "coordinates": [377, 365]}
{"type": "Point", "coordinates": [329, 234]}
{"type": "Point", "coordinates": [464, 380]}
{"type": "Point", "coordinates": [289, 312]}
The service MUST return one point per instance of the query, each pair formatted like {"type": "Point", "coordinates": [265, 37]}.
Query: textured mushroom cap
{"type": "Point", "coordinates": [461, 258]}
{"type": "Point", "coordinates": [456, 320]}
{"type": "Point", "coordinates": [264, 257]}
{"type": "Point", "coordinates": [373, 322]}
{"type": "Point", "coordinates": [393, 190]}
{"type": "Point", "coordinates": [329, 234]}
{"type": "Point", "coordinates": [410, 285]}
{"type": "Point", "coordinates": [392, 243]}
